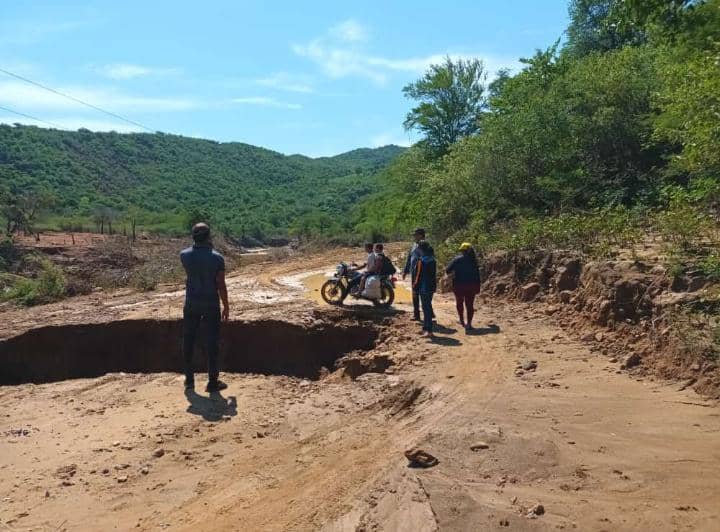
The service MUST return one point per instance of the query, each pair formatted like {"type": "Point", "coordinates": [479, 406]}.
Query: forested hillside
{"type": "Point", "coordinates": [161, 182]}
{"type": "Point", "coordinates": [608, 134]}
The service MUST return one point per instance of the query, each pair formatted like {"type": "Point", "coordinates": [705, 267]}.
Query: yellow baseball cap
{"type": "Point", "coordinates": [465, 245]}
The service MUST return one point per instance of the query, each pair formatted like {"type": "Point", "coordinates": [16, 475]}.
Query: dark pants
{"type": "Point", "coordinates": [354, 282]}
{"type": "Point", "coordinates": [191, 323]}
{"type": "Point", "coordinates": [465, 297]}
{"type": "Point", "coordinates": [426, 302]}
{"type": "Point", "coordinates": [416, 306]}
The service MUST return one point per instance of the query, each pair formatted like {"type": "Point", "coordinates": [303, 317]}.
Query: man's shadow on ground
{"type": "Point", "coordinates": [444, 340]}
{"type": "Point", "coordinates": [442, 329]}
{"type": "Point", "coordinates": [211, 408]}
{"type": "Point", "coordinates": [452, 342]}
{"type": "Point", "coordinates": [481, 331]}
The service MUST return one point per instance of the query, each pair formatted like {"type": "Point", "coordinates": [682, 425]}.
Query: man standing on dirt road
{"type": "Point", "coordinates": [204, 288]}
{"type": "Point", "coordinates": [412, 257]}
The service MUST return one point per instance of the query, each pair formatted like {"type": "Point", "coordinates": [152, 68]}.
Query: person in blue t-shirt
{"type": "Point", "coordinates": [425, 283]}
{"type": "Point", "coordinates": [204, 289]}
{"type": "Point", "coordinates": [412, 256]}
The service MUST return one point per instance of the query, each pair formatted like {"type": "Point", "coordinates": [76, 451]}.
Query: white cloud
{"type": "Point", "coordinates": [287, 82]}
{"type": "Point", "coordinates": [74, 123]}
{"type": "Point", "coordinates": [349, 31]}
{"type": "Point", "coordinates": [339, 56]}
{"type": "Point", "coordinates": [340, 62]}
{"type": "Point", "coordinates": [266, 101]}
{"type": "Point", "coordinates": [120, 71]}
{"type": "Point", "coordinates": [24, 96]}
{"type": "Point", "coordinates": [389, 137]}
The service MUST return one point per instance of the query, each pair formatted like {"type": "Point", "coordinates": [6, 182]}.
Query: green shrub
{"type": "Point", "coordinates": [710, 266]}
{"type": "Point", "coordinates": [145, 280]}
{"type": "Point", "coordinates": [8, 253]}
{"type": "Point", "coordinates": [595, 233]}
{"type": "Point", "coordinates": [48, 286]}
{"type": "Point", "coordinates": [683, 225]}
{"type": "Point", "coordinates": [78, 287]}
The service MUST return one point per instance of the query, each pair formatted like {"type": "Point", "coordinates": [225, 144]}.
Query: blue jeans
{"type": "Point", "coordinates": [191, 323]}
{"type": "Point", "coordinates": [427, 310]}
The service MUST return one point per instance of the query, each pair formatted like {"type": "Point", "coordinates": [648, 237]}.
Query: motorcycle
{"type": "Point", "coordinates": [335, 290]}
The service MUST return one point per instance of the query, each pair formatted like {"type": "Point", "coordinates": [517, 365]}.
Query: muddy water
{"type": "Point", "coordinates": [313, 283]}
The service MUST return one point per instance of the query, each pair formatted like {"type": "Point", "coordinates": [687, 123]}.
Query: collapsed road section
{"type": "Point", "coordinates": [270, 347]}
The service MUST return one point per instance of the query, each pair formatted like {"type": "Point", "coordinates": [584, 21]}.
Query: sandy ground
{"type": "Point", "coordinates": [598, 450]}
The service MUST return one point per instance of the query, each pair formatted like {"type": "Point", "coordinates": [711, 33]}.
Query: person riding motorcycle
{"type": "Point", "coordinates": [384, 265]}
{"type": "Point", "coordinates": [369, 265]}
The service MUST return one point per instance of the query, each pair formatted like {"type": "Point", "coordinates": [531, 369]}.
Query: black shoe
{"type": "Point", "coordinates": [416, 317]}
{"type": "Point", "coordinates": [215, 386]}
{"type": "Point", "coordinates": [189, 384]}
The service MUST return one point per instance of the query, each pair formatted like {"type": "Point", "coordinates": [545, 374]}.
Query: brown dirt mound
{"type": "Point", "coordinates": [631, 311]}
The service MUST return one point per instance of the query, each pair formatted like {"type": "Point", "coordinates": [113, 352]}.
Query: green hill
{"type": "Point", "coordinates": [164, 181]}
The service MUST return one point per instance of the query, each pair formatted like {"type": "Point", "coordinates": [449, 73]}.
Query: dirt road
{"type": "Point", "coordinates": [289, 451]}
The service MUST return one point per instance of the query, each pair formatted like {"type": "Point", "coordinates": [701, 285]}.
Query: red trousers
{"type": "Point", "coordinates": [465, 299]}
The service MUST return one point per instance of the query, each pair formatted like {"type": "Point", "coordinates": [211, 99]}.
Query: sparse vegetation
{"type": "Point", "coordinates": [145, 280]}
{"type": "Point", "coordinates": [47, 286]}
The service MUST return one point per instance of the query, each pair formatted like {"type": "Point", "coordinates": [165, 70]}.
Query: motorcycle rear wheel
{"type": "Point", "coordinates": [332, 292]}
{"type": "Point", "coordinates": [387, 296]}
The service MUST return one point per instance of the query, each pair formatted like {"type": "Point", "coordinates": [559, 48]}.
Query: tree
{"type": "Point", "coordinates": [452, 100]}
{"type": "Point", "coordinates": [104, 216]}
{"type": "Point", "coordinates": [21, 208]}
{"type": "Point", "coordinates": [496, 85]}
{"type": "Point", "coordinates": [689, 100]}
{"type": "Point", "coordinates": [665, 18]}
{"type": "Point", "coordinates": [131, 216]}
{"type": "Point", "coordinates": [594, 28]}
{"type": "Point", "coordinates": [196, 214]}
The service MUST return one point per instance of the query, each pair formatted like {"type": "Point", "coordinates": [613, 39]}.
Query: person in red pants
{"type": "Point", "coordinates": [466, 283]}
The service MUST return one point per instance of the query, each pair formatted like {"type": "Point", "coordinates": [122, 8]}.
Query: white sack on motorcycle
{"type": "Point", "coordinates": [372, 288]}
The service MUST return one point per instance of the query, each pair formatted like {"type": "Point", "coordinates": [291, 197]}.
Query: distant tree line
{"type": "Point", "coordinates": [114, 183]}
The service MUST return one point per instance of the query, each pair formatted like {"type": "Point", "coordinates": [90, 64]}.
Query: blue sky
{"type": "Point", "coordinates": [317, 78]}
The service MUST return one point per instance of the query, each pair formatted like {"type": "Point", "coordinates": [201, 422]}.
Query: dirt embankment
{"type": "Point", "coordinates": [634, 312]}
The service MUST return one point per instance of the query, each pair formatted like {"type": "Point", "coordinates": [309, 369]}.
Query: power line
{"type": "Point", "coordinates": [31, 117]}
{"type": "Point", "coordinates": [78, 100]}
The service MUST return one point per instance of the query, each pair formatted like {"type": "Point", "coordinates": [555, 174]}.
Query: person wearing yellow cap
{"type": "Point", "coordinates": [466, 282]}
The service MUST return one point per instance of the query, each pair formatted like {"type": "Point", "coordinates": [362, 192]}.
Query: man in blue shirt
{"type": "Point", "coordinates": [424, 274]}
{"type": "Point", "coordinates": [204, 288]}
{"type": "Point", "coordinates": [412, 257]}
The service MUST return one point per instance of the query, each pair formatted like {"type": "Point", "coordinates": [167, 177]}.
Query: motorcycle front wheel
{"type": "Point", "coordinates": [387, 296]}
{"type": "Point", "coordinates": [333, 292]}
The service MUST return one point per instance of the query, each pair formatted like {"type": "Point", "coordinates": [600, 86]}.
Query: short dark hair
{"type": "Point", "coordinates": [379, 247]}
{"type": "Point", "coordinates": [201, 233]}
{"type": "Point", "coordinates": [419, 231]}
{"type": "Point", "coordinates": [368, 245]}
